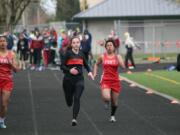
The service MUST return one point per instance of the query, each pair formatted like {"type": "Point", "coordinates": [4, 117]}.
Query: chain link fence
{"type": "Point", "coordinates": [154, 38]}
{"type": "Point", "coordinates": [56, 25]}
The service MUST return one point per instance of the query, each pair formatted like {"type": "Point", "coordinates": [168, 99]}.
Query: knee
{"type": "Point", "coordinates": [76, 99]}
{"type": "Point", "coordinates": [114, 101]}
{"type": "Point", "coordinates": [107, 98]}
{"type": "Point", "coordinates": [4, 105]}
{"type": "Point", "coordinates": [5, 102]}
{"type": "Point", "coordinates": [69, 104]}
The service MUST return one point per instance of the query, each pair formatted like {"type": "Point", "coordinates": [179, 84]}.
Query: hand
{"type": "Point", "coordinates": [13, 63]}
{"type": "Point", "coordinates": [91, 75]}
{"type": "Point", "coordinates": [74, 71]}
{"type": "Point", "coordinates": [10, 61]}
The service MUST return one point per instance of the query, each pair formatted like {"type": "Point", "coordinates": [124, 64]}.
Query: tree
{"type": "Point", "coordinates": [178, 1]}
{"type": "Point", "coordinates": [11, 11]}
{"type": "Point", "coordinates": [66, 9]}
{"type": "Point", "coordinates": [175, 1]}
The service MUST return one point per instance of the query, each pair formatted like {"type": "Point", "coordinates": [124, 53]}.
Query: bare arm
{"type": "Point", "coordinates": [14, 63]}
{"type": "Point", "coordinates": [98, 62]}
{"type": "Point", "coordinates": [121, 61]}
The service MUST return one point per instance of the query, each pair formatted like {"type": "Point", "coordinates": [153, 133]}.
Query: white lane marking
{"type": "Point", "coordinates": [91, 121]}
{"type": "Point", "coordinates": [32, 105]}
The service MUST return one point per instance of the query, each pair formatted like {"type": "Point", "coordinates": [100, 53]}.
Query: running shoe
{"type": "Point", "coordinates": [74, 122]}
{"type": "Point", "coordinates": [40, 68]}
{"type": "Point", "coordinates": [112, 119]}
{"type": "Point", "coordinates": [24, 67]}
{"type": "Point", "coordinates": [2, 125]}
{"type": "Point", "coordinates": [32, 68]}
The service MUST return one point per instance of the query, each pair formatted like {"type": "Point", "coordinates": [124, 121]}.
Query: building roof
{"type": "Point", "coordinates": [131, 8]}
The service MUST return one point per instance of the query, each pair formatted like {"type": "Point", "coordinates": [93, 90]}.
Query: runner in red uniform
{"type": "Point", "coordinates": [110, 84]}
{"type": "Point", "coordinates": [7, 65]}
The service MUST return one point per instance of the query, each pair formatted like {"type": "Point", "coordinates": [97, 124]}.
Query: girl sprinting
{"type": "Point", "coordinates": [7, 65]}
{"type": "Point", "coordinates": [73, 81]}
{"type": "Point", "coordinates": [110, 83]}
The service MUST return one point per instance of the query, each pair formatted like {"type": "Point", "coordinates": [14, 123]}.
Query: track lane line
{"type": "Point", "coordinates": [32, 105]}
{"type": "Point", "coordinates": [163, 78]}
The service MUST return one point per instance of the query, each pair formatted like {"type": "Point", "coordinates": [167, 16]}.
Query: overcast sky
{"type": "Point", "coordinates": [49, 6]}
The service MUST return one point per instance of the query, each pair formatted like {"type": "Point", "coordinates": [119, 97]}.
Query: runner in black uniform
{"type": "Point", "coordinates": [73, 82]}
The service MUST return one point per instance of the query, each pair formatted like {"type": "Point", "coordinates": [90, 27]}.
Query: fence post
{"type": "Point", "coordinates": [153, 42]}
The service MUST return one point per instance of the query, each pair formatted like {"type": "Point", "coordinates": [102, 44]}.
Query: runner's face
{"type": "Point", "coordinates": [75, 44]}
{"type": "Point", "coordinates": [3, 43]}
{"type": "Point", "coordinates": [110, 47]}
{"type": "Point", "coordinates": [21, 37]}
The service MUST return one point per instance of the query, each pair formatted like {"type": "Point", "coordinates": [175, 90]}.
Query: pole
{"type": "Point", "coordinates": [24, 20]}
{"type": "Point", "coordinates": [38, 15]}
{"type": "Point", "coordinates": [153, 43]}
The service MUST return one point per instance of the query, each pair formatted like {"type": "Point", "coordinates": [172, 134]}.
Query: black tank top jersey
{"type": "Point", "coordinates": [74, 60]}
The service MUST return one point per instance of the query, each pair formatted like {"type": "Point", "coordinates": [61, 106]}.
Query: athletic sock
{"type": "Point", "coordinates": [2, 120]}
{"type": "Point", "coordinates": [113, 110]}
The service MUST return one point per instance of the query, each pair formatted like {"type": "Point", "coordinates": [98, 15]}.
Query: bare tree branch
{"type": "Point", "coordinates": [12, 10]}
{"type": "Point", "coordinates": [21, 10]}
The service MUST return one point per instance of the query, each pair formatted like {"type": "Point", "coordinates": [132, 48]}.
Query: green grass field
{"type": "Point", "coordinates": [167, 82]}
{"type": "Point", "coordinates": [142, 58]}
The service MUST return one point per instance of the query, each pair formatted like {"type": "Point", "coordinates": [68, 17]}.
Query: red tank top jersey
{"type": "Point", "coordinates": [110, 68]}
{"type": "Point", "coordinates": [5, 68]}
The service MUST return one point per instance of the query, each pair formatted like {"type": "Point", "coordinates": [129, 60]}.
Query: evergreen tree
{"type": "Point", "coordinates": [66, 9]}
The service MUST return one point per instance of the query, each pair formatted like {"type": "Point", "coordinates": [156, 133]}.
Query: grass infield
{"type": "Point", "coordinates": [167, 82]}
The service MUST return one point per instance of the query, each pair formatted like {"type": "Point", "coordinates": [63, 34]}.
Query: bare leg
{"type": "Point", "coordinates": [5, 95]}
{"type": "Point", "coordinates": [106, 95]}
{"type": "Point", "coordinates": [114, 104]}
{"type": "Point", "coordinates": [114, 98]}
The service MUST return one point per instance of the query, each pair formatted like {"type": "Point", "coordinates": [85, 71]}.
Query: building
{"type": "Point", "coordinates": [150, 22]}
{"type": "Point", "coordinates": [90, 3]}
